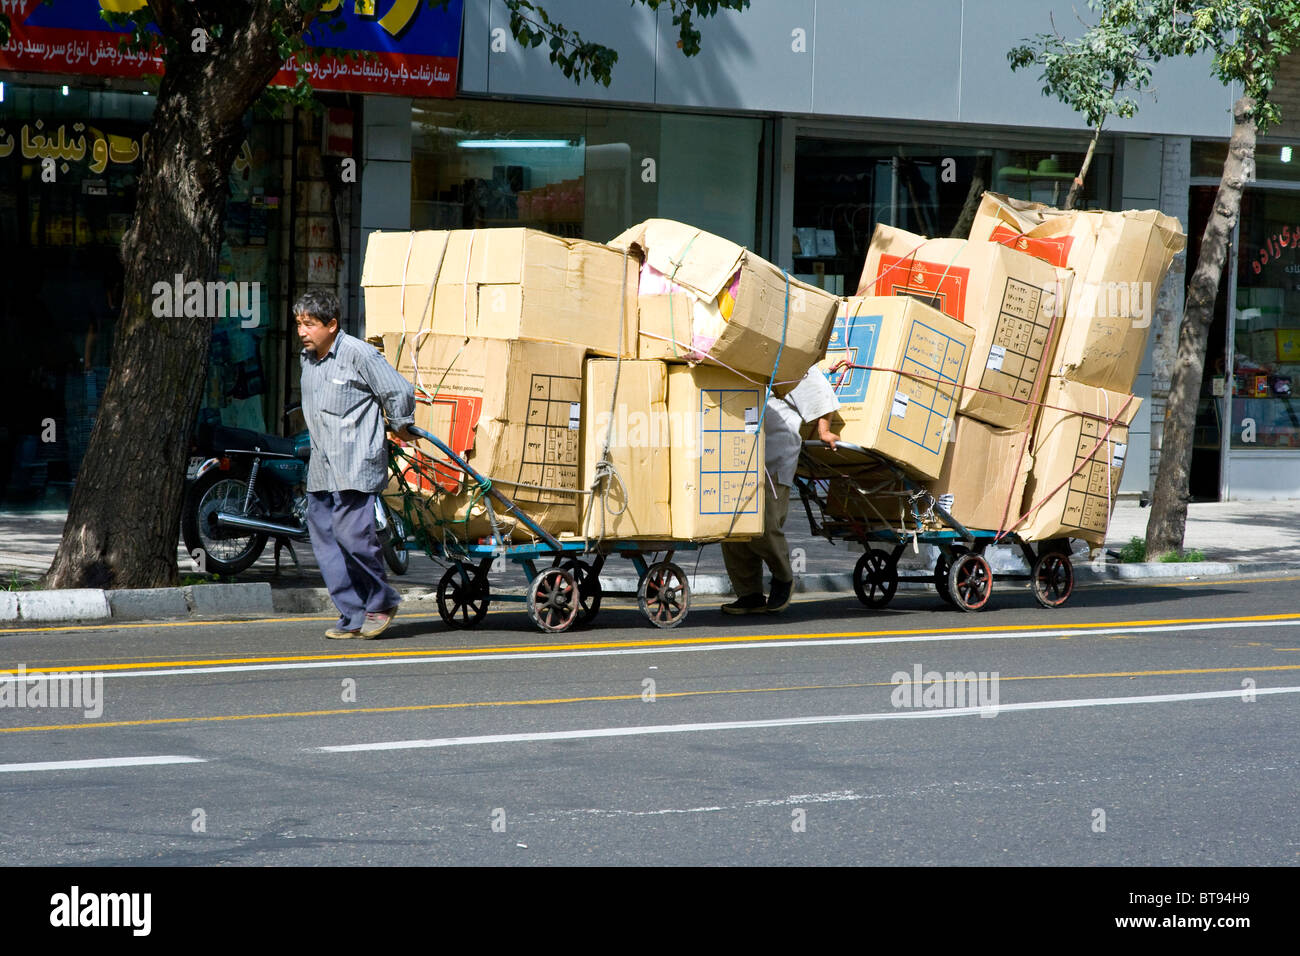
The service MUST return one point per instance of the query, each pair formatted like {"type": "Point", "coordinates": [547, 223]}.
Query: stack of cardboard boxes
{"type": "Point", "coordinates": [530, 358]}
{"type": "Point", "coordinates": [1056, 308]}
{"type": "Point", "coordinates": [1080, 440]}
{"type": "Point", "coordinates": [997, 371]}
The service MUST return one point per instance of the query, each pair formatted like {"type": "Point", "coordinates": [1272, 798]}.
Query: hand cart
{"type": "Point", "coordinates": [566, 593]}
{"type": "Point", "coordinates": [962, 575]}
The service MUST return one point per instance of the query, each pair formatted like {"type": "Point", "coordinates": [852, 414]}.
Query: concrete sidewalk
{"type": "Point", "coordinates": [1235, 537]}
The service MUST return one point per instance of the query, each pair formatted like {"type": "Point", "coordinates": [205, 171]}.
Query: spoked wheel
{"type": "Point", "coordinates": [970, 581]}
{"type": "Point", "coordinates": [664, 595]}
{"type": "Point", "coordinates": [463, 596]}
{"type": "Point", "coordinates": [219, 549]}
{"type": "Point", "coordinates": [553, 601]}
{"type": "Point", "coordinates": [589, 590]}
{"type": "Point", "coordinates": [941, 573]}
{"type": "Point", "coordinates": [875, 578]}
{"type": "Point", "coordinates": [1053, 579]}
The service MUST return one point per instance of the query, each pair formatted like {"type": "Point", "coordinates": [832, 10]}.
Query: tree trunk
{"type": "Point", "coordinates": [1072, 196]}
{"type": "Point", "coordinates": [1168, 521]}
{"type": "Point", "coordinates": [124, 514]}
{"type": "Point", "coordinates": [978, 184]}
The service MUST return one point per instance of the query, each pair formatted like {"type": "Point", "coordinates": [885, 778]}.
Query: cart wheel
{"type": "Point", "coordinates": [1053, 579]}
{"type": "Point", "coordinates": [970, 581]}
{"type": "Point", "coordinates": [589, 590]}
{"type": "Point", "coordinates": [875, 578]}
{"type": "Point", "coordinates": [553, 602]}
{"type": "Point", "coordinates": [664, 596]}
{"type": "Point", "coordinates": [463, 596]}
{"type": "Point", "coordinates": [941, 573]}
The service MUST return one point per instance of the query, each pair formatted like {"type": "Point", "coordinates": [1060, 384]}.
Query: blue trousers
{"type": "Point", "coordinates": [342, 526]}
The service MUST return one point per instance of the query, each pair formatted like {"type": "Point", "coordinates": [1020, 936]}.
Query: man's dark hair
{"type": "Point", "coordinates": [319, 304]}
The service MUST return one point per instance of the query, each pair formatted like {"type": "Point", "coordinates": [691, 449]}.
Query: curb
{"type": "Point", "coordinates": [136, 604]}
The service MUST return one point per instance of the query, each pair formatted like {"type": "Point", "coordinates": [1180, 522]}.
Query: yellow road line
{"type": "Point", "coordinates": [1082, 627]}
{"type": "Point", "coordinates": [465, 705]}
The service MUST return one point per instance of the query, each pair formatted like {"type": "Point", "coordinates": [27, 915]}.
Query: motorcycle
{"type": "Point", "coordinates": [248, 487]}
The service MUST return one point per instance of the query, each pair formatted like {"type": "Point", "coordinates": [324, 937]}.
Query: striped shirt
{"type": "Point", "coordinates": [345, 396]}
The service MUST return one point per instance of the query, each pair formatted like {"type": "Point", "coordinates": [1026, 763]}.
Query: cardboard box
{"type": "Point", "coordinates": [1068, 452]}
{"type": "Point", "coordinates": [513, 410]}
{"type": "Point", "coordinates": [742, 325]}
{"type": "Point", "coordinates": [717, 466]}
{"type": "Point", "coordinates": [502, 284]}
{"type": "Point", "coordinates": [664, 329]}
{"type": "Point", "coordinates": [635, 421]}
{"type": "Point", "coordinates": [1010, 299]}
{"type": "Point", "coordinates": [1120, 260]}
{"type": "Point", "coordinates": [985, 472]}
{"type": "Point", "coordinates": [904, 416]}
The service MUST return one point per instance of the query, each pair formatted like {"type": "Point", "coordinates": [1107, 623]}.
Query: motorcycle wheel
{"type": "Point", "coordinates": [393, 540]}
{"type": "Point", "coordinates": [221, 550]}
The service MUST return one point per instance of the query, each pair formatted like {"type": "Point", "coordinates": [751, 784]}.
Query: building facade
{"type": "Point", "coordinates": [804, 123]}
{"type": "Point", "coordinates": [800, 126]}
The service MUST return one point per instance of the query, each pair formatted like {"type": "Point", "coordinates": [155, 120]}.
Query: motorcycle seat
{"type": "Point", "coordinates": [224, 438]}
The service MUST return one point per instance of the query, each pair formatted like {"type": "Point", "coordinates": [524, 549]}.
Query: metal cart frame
{"type": "Point", "coordinates": [565, 593]}
{"type": "Point", "coordinates": [962, 575]}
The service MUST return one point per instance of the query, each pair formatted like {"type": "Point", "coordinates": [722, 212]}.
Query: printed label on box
{"type": "Point", "coordinates": [1120, 450]}
{"type": "Point", "coordinates": [1055, 250]}
{"type": "Point", "coordinates": [900, 405]}
{"type": "Point", "coordinates": [575, 414]}
{"type": "Point", "coordinates": [996, 354]}
{"type": "Point", "coordinates": [939, 286]}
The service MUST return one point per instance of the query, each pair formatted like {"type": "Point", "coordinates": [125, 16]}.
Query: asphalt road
{"type": "Point", "coordinates": [1139, 725]}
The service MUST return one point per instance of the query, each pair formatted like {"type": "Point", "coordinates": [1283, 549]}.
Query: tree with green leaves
{"type": "Point", "coordinates": [1093, 75]}
{"type": "Point", "coordinates": [124, 513]}
{"type": "Point", "coordinates": [1246, 40]}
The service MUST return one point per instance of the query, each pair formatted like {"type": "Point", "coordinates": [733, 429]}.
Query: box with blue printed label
{"type": "Point", "coordinates": [716, 466]}
{"type": "Point", "coordinates": [900, 367]}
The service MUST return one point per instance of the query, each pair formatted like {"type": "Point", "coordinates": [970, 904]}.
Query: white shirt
{"type": "Point", "coordinates": [808, 401]}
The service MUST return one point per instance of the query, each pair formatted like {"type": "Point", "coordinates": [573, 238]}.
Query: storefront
{"type": "Point", "coordinates": [69, 159]}
{"type": "Point", "coordinates": [1247, 439]}
{"type": "Point", "coordinates": [74, 111]}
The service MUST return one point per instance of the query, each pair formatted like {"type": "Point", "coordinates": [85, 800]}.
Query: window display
{"type": "Point", "coordinates": [1266, 333]}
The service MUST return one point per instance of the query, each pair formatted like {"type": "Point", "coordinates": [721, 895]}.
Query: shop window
{"type": "Point", "coordinates": [61, 290]}
{"type": "Point", "coordinates": [1278, 162]}
{"type": "Point", "coordinates": [845, 188]}
{"type": "Point", "coordinates": [1266, 331]}
{"type": "Point", "coordinates": [584, 173]}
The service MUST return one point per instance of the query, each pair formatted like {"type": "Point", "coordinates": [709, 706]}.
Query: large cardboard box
{"type": "Point", "coordinates": [903, 414]}
{"type": "Point", "coordinates": [1010, 299]}
{"type": "Point", "coordinates": [502, 284]}
{"type": "Point", "coordinates": [664, 327]}
{"type": "Point", "coordinates": [1076, 474]}
{"type": "Point", "coordinates": [985, 473]}
{"type": "Point", "coordinates": [513, 410]}
{"type": "Point", "coordinates": [717, 466]}
{"type": "Point", "coordinates": [745, 313]}
{"type": "Point", "coordinates": [626, 405]}
{"type": "Point", "coordinates": [1120, 260]}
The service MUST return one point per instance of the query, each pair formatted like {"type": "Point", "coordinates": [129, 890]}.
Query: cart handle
{"type": "Point", "coordinates": [509, 505]}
